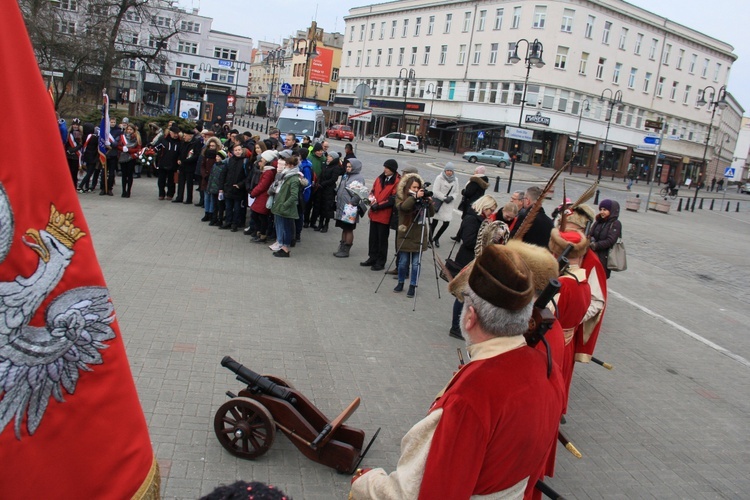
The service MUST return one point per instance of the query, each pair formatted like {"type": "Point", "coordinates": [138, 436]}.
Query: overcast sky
{"type": "Point", "coordinates": [726, 20]}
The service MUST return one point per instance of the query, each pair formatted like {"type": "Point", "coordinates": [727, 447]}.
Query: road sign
{"type": "Point", "coordinates": [519, 133]}
{"type": "Point", "coordinates": [56, 74]}
{"type": "Point", "coordinates": [651, 140]}
{"type": "Point", "coordinates": [729, 172]}
{"type": "Point", "coordinates": [654, 124]}
{"type": "Point", "coordinates": [225, 63]}
{"type": "Point", "coordinates": [286, 88]}
{"type": "Point", "coordinates": [480, 135]}
{"type": "Point", "coordinates": [361, 115]}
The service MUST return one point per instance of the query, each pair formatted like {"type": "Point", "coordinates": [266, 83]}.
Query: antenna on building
{"type": "Point", "coordinates": [315, 17]}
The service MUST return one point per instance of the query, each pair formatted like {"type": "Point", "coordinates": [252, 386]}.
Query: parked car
{"type": "Point", "coordinates": [745, 188]}
{"type": "Point", "coordinates": [341, 132]}
{"type": "Point", "coordinates": [494, 156]}
{"type": "Point", "coordinates": [401, 141]}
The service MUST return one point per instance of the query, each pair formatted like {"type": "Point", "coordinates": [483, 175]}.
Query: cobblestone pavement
{"type": "Point", "coordinates": [670, 421]}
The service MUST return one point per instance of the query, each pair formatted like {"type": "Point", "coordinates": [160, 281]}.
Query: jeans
{"type": "Point", "coordinates": [403, 267]}
{"type": "Point", "coordinates": [208, 203]}
{"type": "Point", "coordinates": [284, 230]}
{"type": "Point", "coordinates": [234, 212]}
{"type": "Point", "coordinates": [86, 182]}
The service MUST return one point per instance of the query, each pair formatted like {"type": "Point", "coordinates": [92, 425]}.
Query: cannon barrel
{"type": "Point", "coordinates": [251, 378]}
{"type": "Point", "coordinates": [547, 294]}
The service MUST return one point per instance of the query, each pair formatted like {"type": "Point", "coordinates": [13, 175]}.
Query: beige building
{"type": "Point", "coordinates": [461, 55]}
{"type": "Point", "coordinates": [315, 65]}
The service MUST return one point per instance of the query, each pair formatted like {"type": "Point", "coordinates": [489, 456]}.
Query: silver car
{"type": "Point", "coordinates": [493, 156]}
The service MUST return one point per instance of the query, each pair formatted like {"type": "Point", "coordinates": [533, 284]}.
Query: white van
{"type": "Point", "coordinates": [302, 119]}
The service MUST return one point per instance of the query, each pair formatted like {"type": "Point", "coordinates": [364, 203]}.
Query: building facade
{"type": "Point", "coordinates": [464, 82]}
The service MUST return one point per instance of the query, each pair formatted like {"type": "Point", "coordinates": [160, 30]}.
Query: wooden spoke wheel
{"type": "Point", "coordinates": [279, 381]}
{"type": "Point", "coordinates": [244, 428]}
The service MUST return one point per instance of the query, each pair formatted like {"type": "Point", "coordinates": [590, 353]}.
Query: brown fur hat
{"type": "Point", "coordinates": [542, 264]}
{"type": "Point", "coordinates": [559, 241]}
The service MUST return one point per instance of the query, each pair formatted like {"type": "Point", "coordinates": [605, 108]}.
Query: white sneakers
{"type": "Point", "coordinates": [275, 247]}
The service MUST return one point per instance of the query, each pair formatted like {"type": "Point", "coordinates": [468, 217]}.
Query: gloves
{"type": "Point", "coordinates": [448, 199]}
{"type": "Point", "coordinates": [374, 207]}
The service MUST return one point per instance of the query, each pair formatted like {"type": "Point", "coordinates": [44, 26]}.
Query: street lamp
{"type": "Point", "coordinates": [534, 51]}
{"type": "Point", "coordinates": [407, 76]}
{"type": "Point", "coordinates": [613, 100]}
{"type": "Point", "coordinates": [431, 91]}
{"type": "Point", "coordinates": [720, 103]}
{"type": "Point", "coordinates": [310, 52]}
{"type": "Point", "coordinates": [239, 67]}
{"type": "Point", "coordinates": [274, 59]}
{"type": "Point", "coordinates": [578, 131]}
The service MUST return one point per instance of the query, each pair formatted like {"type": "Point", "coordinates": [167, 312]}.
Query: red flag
{"type": "Point", "coordinates": [71, 424]}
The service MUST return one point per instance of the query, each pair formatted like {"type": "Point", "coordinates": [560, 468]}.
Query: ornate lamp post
{"type": "Point", "coordinates": [578, 130]}
{"type": "Point", "coordinates": [534, 51]}
{"type": "Point", "coordinates": [614, 99]}
{"type": "Point", "coordinates": [407, 77]}
{"type": "Point", "coordinates": [720, 103]}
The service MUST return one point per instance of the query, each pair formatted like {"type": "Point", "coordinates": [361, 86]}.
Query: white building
{"type": "Point", "coordinates": [460, 54]}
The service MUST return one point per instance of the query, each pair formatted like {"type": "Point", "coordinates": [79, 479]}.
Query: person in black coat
{"type": "Point", "coordinates": [475, 188]}
{"type": "Point", "coordinates": [329, 175]}
{"type": "Point", "coordinates": [541, 227]}
{"type": "Point", "coordinates": [605, 231]}
{"type": "Point", "coordinates": [190, 150]}
{"type": "Point", "coordinates": [232, 182]}
{"type": "Point", "coordinates": [169, 152]}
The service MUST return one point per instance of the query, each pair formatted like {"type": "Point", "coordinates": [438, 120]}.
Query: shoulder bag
{"type": "Point", "coordinates": [616, 258]}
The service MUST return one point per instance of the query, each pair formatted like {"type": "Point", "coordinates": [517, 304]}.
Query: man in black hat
{"type": "Point", "coordinates": [169, 152]}
{"type": "Point", "coordinates": [382, 199]}
{"type": "Point", "coordinates": [190, 150]}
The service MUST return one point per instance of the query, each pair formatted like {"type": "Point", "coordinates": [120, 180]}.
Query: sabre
{"type": "Point", "coordinates": [548, 492]}
{"type": "Point", "coordinates": [602, 363]}
{"type": "Point", "coordinates": [568, 445]}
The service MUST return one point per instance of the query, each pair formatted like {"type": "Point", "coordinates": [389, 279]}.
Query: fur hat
{"type": "Point", "coordinates": [501, 277]}
{"type": "Point", "coordinates": [269, 155]}
{"type": "Point", "coordinates": [580, 216]}
{"type": "Point", "coordinates": [391, 165]}
{"type": "Point", "coordinates": [542, 264]}
{"type": "Point", "coordinates": [558, 242]}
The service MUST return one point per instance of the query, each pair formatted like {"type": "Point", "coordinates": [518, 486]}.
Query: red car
{"type": "Point", "coordinates": [341, 132]}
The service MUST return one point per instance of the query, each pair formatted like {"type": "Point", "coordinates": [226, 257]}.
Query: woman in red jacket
{"type": "Point", "coordinates": [259, 212]}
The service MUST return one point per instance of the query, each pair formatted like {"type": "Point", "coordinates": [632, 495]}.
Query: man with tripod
{"type": "Point", "coordinates": [414, 206]}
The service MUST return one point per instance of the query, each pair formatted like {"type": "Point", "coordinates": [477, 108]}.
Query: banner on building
{"type": "Point", "coordinates": [320, 67]}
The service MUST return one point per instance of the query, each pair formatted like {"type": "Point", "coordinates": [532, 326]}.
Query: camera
{"type": "Point", "coordinates": [427, 192]}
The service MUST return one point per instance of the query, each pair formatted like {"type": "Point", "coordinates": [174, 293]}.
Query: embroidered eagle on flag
{"type": "Point", "coordinates": [37, 362]}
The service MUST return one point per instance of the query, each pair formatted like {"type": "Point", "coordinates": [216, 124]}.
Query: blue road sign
{"type": "Point", "coordinates": [225, 63]}
{"type": "Point", "coordinates": [651, 140]}
{"type": "Point", "coordinates": [286, 88]}
{"type": "Point", "coordinates": [480, 135]}
{"type": "Point", "coordinates": [184, 115]}
{"type": "Point", "coordinates": [729, 172]}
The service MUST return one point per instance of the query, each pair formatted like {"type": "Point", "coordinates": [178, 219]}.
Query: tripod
{"type": "Point", "coordinates": [420, 218]}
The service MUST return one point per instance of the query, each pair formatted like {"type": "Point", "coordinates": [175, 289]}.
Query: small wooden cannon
{"type": "Point", "coordinates": [246, 424]}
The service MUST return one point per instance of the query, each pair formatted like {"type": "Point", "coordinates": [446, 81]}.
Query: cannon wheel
{"type": "Point", "coordinates": [244, 428]}
{"type": "Point", "coordinates": [279, 381]}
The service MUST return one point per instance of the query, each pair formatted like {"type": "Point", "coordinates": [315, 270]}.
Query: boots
{"type": "Point", "coordinates": [206, 217]}
{"type": "Point", "coordinates": [259, 238]}
{"type": "Point", "coordinates": [324, 226]}
{"type": "Point", "coordinates": [343, 251]}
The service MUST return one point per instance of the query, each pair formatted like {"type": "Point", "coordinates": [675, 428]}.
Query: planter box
{"type": "Point", "coordinates": [652, 205]}
{"type": "Point", "coordinates": [662, 206]}
{"type": "Point", "coordinates": [633, 204]}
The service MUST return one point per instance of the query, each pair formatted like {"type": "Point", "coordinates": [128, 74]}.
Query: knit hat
{"type": "Point", "coordinates": [286, 153]}
{"type": "Point", "coordinates": [126, 120]}
{"type": "Point", "coordinates": [480, 170]}
{"type": "Point", "coordinates": [606, 205]}
{"type": "Point", "coordinates": [269, 155]}
{"type": "Point", "coordinates": [391, 165]}
{"type": "Point", "coordinates": [221, 153]}
{"type": "Point", "coordinates": [559, 241]}
{"type": "Point", "coordinates": [335, 155]}
{"type": "Point", "coordinates": [174, 128]}
{"type": "Point", "coordinates": [317, 147]}
{"type": "Point", "coordinates": [580, 216]}
{"type": "Point", "coordinates": [409, 170]}
{"type": "Point", "coordinates": [449, 166]}
{"type": "Point", "coordinates": [542, 264]}
{"type": "Point", "coordinates": [502, 278]}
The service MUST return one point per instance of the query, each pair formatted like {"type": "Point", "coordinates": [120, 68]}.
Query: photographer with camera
{"type": "Point", "coordinates": [414, 206]}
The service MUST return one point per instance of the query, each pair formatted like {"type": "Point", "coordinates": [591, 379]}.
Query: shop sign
{"type": "Point", "coordinates": [538, 119]}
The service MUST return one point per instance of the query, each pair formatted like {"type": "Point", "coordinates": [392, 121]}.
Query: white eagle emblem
{"type": "Point", "coordinates": [37, 362]}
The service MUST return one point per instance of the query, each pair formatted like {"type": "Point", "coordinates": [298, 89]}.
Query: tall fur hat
{"type": "Point", "coordinates": [580, 215]}
{"type": "Point", "coordinates": [559, 241]}
{"type": "Point", "coordinates": [542, 264]}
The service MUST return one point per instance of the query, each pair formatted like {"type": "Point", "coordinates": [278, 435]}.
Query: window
{"type": "Point", "coordinates": [66, 27]}
{"type": "Point", "coordinates": [638, 43]}
{"type": "Point", "coordinates": [368, 56]}
{"type": "Point", "coordinates": [131, 38]}
{"type": "Point", "coordinates": [222, 75]}
{"type": "Point", "coordinates": [70, 5]}
{"type": "Point", "coordinates": [493, 92]}
{"type": "Point", "coordinates": [482, 92]}
{"type": "Point", "coordinates": [467, 21]}
{"type": "Point", "coordinates": [600, 68]}
{"type": "Point", "coordinates": [461, 54]}
{"type": "Point", "coordinates": [680, 57]}
{"type": "Point", "coordinates": [511, 51]}
{"type": "Point", "coordinates": [334, 74]}
{"type": "Point", "coordinates": [451, 89]}
{"type": "Point", "coordinates": [393, 29]}
{"type": "Point", "coordinates": [646, 82]}
{"type": "Point", "coordinates": [390, 57]}
{"type": "Point", "coordinates": [623, 38]}
{"type": "Point", "coordinates": [184, 70]}
{"type": "Point", "coordinates": [448, 21]}
{"type": "Point", "coordinates": [426, 59]}
{"type": "Point", "coordinates": [576, 107]}
{"type": "Point", "coordinates": [532, 95]}
{"type": "Point", "coordinates": [616, 73]}
{"type": "Point", "coordinates": [417, 26]}
{"type": "Point", "coordinates": [717, 70]}
{"type": "Point", "coordinates": [482, 20]}
{"type": "Point", "coordinates": [631, 78]}
{"type": "Point", "coordinates": [187, 47]}
{"type": "Point", "coordinates": [652, 49]}
{"type": "Point", "coordinates": [673, 92]}
{"type": "Point", "coordinates": [133, 16]}
{"type": "Point", "coordinates": [372, 31]}
{"type": "Point", "coordinates": [378, 56]}
{"type": "Point", "coordinates": [561, 58]}
{"type": "Point", "coordinates": [540, 13]}
{"type": "Point", "coordinates": [562, 103]}
{"type": "Point", "coordinates": [223, 53]}
{"type": "Point", "coordinates": [584, 62]}
{"type": "Point", "coordinates": [493, 53]}
{"type": "Point", "coordinates": [693, 60]}
{"type": "Point", "coordinates": [704, 71]}
{"type": "Point", "coordinates": [332, 95]}
{"type": "Point", "coordinates": [359, 58]}
{"type": "Point", "coordinates": [351, 35]}
{"type": "Point", "coordinates": [472, 91]}
{"type": "Point", "coordinates": [567, 20]}
{"type": "Point", "coordinates": [155, 41]}
{"type": "Point", "coordinates": [504, 93]}
{"type": "Point", "coordinates": [401, 51]}
{"type": "Point", "coordinates": [548, 101]}
{"type": "Point", "coordinates": [190, 26]}
{"type": "Point", "coordinates": [431, 25]}
{"type": "Point", "coordinates": [660, 86]}
{"type": "Point", "coordinates": [517, 93]}
{"type": "Point", "coordinates": [477, 53]}
{"type": "Point", "coordinates": [413, 59]}
{"type": "Point", "coordinates": [361, 32]}
{"type": "Point", "coordinates": [443, 54]}
{"type": "Point", "coordinates": [667, 51]}
{"type": "Point", "coordinates": [439, 89]}
{"type": "Point", "coordinates": [406, 28]}
{"type": "Point", "coordinates": [382, 30]}
{"type": "Point", "coordinates": [686, 96]}
{"type": "Point", "coordinates": [499, 19]}
{"type": "Point", "coordinates": [589, 27]}
{"type": "Point", "coordinates": [129, 64]}
{"type": "Point", "coordinates": [516, 18]}
{"type": "Point", "coordinates": [161, 21]}
{"type": "Point", "coordinates": [348, 57]}
{"type": "Point", "coordinates": [605, 33]}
